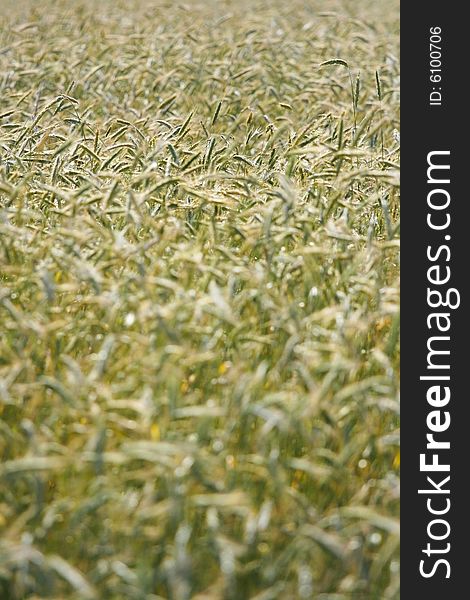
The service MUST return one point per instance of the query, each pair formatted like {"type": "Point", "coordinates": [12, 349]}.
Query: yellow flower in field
{"type": "Point", "coordinates": [396, 460]}
{"type": "Point", "coordinates": [155, 432]}
{"type": "Point", "coordinates": [184, 387]}
{"type": "Point", "coordinates": [223, 368]}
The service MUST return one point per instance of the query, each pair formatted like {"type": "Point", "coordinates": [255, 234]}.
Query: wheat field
{"type": "Point", "coordinates": [199, 300]}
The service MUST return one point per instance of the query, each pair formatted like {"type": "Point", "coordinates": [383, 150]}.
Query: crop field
{"type": "Point", "coordinates": [199, 300]}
